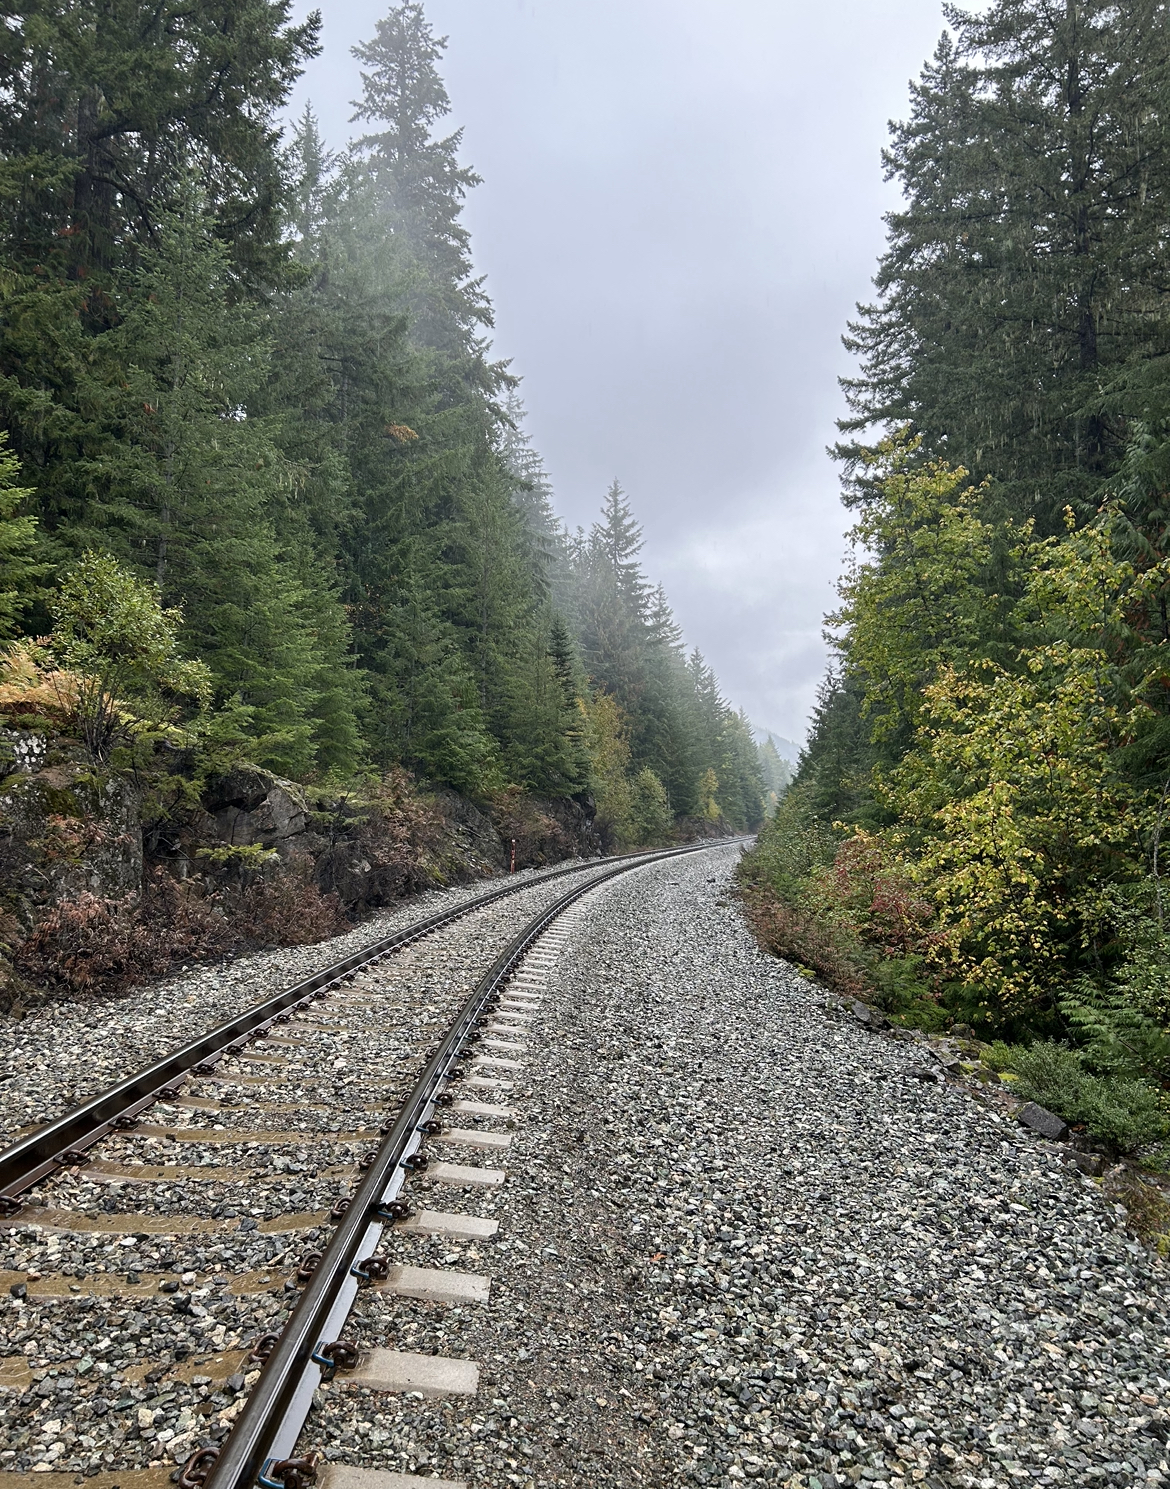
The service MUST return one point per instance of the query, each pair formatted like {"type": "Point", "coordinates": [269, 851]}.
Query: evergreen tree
{"type": "Point", "coordinates": [612, 602]}
{"type": "Point", "coordinates": [312, 167]}
{"type": "Point", "coordinates": [253, 375]}
{"type": "Point", "coordinates": [776, 771]}
{"type": "Point", "coordinates": [105, 106]}
{"type": "Point", "coordinates": [678, 725]}
{"type": "Point", "coordinates": [1020, 297]}
{"type": "Point", "coordinates": [184, 484]}
{"type": "Point", "coordinates": [417, 180]}
{"type": "Point", "coordinates": [19, 568]}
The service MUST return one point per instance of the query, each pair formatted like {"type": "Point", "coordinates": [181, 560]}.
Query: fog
{"type": "Point", "coordinates": [682, 203]}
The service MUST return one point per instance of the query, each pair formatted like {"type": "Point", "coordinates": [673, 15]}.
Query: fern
{"type": "Point", "coordinates": [1117, 1035]}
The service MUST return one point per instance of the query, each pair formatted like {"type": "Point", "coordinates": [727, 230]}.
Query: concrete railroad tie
{"type": "Point", "coordinates": [436, 1375]}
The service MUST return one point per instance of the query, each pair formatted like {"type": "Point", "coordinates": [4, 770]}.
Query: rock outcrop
{"type": "Point", "coordinates": [65, 828]}
{"type": "Point", "coordinates": [87, 855]}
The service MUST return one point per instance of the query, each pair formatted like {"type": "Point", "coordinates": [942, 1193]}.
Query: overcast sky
{"type": "Point", "coordinates": [682, 203]}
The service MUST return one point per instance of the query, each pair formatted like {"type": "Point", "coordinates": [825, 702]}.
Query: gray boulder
{"type": "Point", "coordinates": [1039, 1120]}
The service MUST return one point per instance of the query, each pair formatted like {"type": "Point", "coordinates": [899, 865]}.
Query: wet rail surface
{"type": "Point", "coordinates": [65, 1140]}
{"type": "Point", "coordinates": [265, 1176]}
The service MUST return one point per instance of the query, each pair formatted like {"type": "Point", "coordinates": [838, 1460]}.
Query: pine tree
{"type": "Point", "coordinates": [775, 769]}
{"type": "Point", "coordinates": [570, 682]}
{"type": "Point", "coordinates": [418, 182]}
{"type": "Point", "coordinates": [612, 602]}
{"type": "Point", "coordinates": [256, 378]}
{"type": "Point", "coordinates": [618, 537]}
{"type": "Point", "coordinates": [1022, 286]}
{"type": "Point", "coordinates": [105, 106]}
{"type": "Point", "coordinates": [185, 486]}
{"type": "Point", "coordinates": [19, 566]}
{"type": "Point", "coordinates": [312, 166]}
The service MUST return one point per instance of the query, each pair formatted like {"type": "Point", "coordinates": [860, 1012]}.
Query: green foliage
{"type": "Point", "coordinates": [1118, 1036]}
{"type": "Point", "coordinates": [836, 768]}
{"type": "Point", "coordinates": [680, 726]}
{"type": "Point", "coordinates": [925, 599]}
{"type": "Point", "coordinates": [1001, 1056]}
{"type": "Point", "coordinates": [708, 786]}
{"type": "Point", "coordinates": [1022, 275]}
{"type": "Point", "coordinates": [111, 632]}
{"type": "Point", "coordinates": [845, 906]}
{"type": "Point", "coordinates": [607, 741]}
{"type": "Point", "coordinates": [253, 375]}
{"type": "Point", "coordinates": [19, 568]}
{"type": "Point", "coordinates": [1004, 685]}
{"type": "Point", "coordinates": [776, 773]}
{"type": "Point", "coordinates": [105, 104]}
{"type": "Point", "coordinates": [1122, 1114]}
{"type": "Point", "coordinates": [791, 847]}
{"type": "Point", "coordinates": [1011, 797]}
{"type": "Point", "coordinates": [650, 816]}
{"type": "Point", "coordinates": [242, 856]}
{"type": "Point", "coordinates": [904, 988]}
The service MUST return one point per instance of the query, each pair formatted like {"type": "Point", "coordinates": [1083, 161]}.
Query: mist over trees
{"type": "Point", "coordinates": [976, 825]}
{"type": "Point", "coordinates": [254, 368]}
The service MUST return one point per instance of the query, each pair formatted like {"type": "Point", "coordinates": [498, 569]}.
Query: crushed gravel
{"type": "Point", "coordinates": [124, 1340]}
{"type": "Point", "coordinates": [740, 1240]}
{"type": "Point", "coordinates": [60, 1054]}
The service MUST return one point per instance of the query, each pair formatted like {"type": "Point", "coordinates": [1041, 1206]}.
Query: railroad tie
{"type": "Point", "coordinates": [345, 1476]}
{"type": "Point", "coordinates": [473, 1137]}
{"type": "Point", "coordinates": [434, 1286]}
{"type": "Point", "coordinates": [451, 1227]}
{"type": "Point", "coordinates": [430, 1375]}
{"type": "Point", "coordinates": [129, 1224]}
{"type": "Point", "coordinates": [497, 1062]}
{"type": "Point", "coordinates": [462, 1175]}
{"type": "Point", "coordinates": [481, 1109]}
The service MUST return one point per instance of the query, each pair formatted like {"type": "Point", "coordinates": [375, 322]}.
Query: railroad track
{"type": "Point", "coordinates": [268, 1092]}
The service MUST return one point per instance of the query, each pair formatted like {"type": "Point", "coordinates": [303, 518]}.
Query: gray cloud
{"type": "Point", "coordinates": [682, 203]}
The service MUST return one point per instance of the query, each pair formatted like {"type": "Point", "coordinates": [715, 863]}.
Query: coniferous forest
{"type": "Point", "coordinates": [978, 827]}
{"type": "Point", "coordinates": [266, 495]}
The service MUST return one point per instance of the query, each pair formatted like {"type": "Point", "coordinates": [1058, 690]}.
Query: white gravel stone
{"type": "Point", "coordinates": [739, 1241]}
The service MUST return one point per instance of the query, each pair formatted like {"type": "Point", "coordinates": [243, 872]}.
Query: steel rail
{"type": "Point", "coordinates": [264, 1435]}
{"type": "Point", "coordinates": [64, 1140]}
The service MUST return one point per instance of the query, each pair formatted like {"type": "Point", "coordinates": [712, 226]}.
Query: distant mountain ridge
{"type": "Point", "coordinates": [787, 749]}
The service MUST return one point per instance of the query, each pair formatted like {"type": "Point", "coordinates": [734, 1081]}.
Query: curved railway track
{"type": "Point", "coordinates": [334, 1047]}
{"type": "Point", "coordinates": [59, 1144]}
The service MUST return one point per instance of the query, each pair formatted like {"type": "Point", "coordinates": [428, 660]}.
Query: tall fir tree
{"type": "Point", "coordinates": [1020, 296]}
{"type": "Point", "coordinates": [255, 373]}
{"type": "Point", "coordinates": [417, 180]}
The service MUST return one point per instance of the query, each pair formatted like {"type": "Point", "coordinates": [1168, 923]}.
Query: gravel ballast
{"type": "Point", "coordinates": [133, 1289]}
{"type": "Point", "coordinates": [739, 1239]}
{"type": "Point", "coordinates": [60, 1054]}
